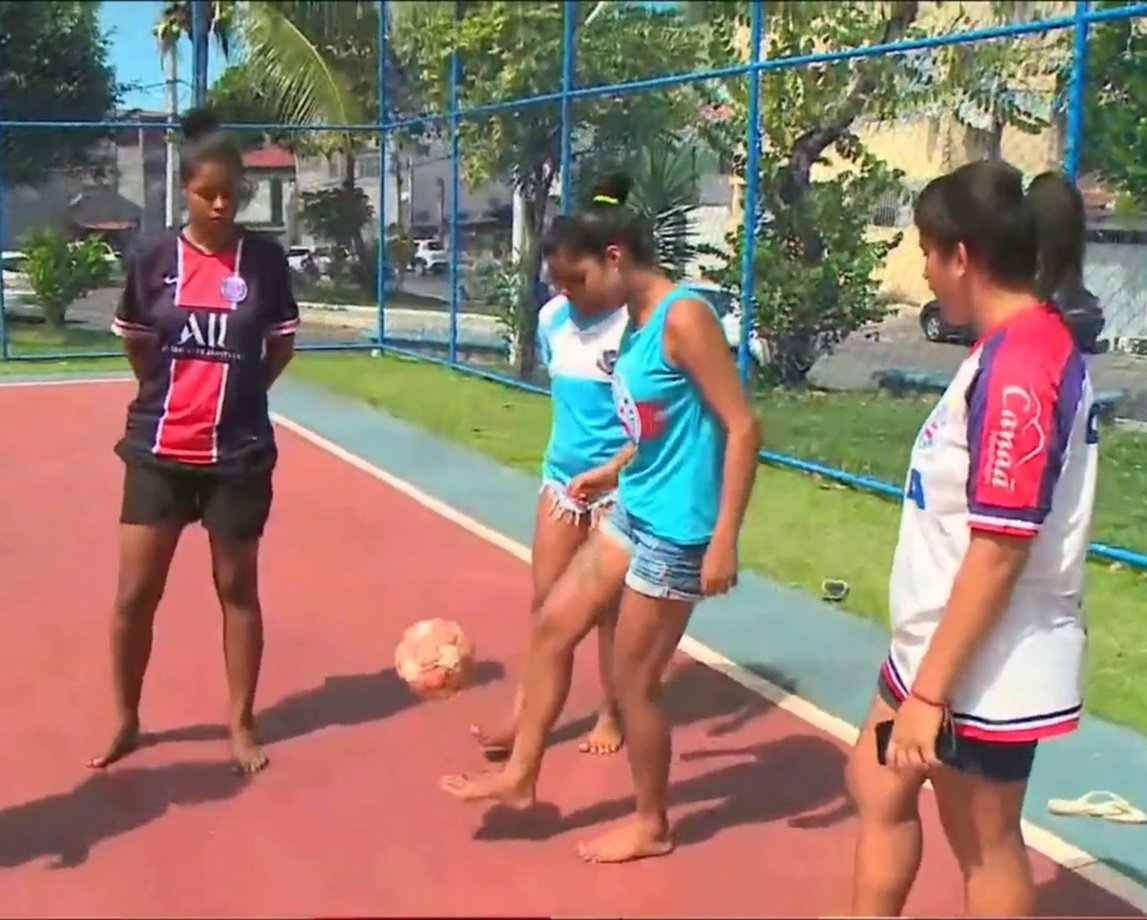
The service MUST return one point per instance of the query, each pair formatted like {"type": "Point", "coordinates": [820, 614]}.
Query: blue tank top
{"type": "Point", "coordinates": [579, 354]}
{"type": "Point", "coordinates": [672, 486]}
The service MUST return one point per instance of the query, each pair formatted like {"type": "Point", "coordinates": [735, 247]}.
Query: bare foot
{"type": "Point", "coordinates": [637, 838]}
{"type": "Point", "coordinates": [606, 736]}
{"type": "Point", "coordinates": [499, 786]}
{"type": "Point", "coordinates": [247, 754]}
{"type": "Point", "coordinates": [123, 742]}
{"type": "Point", "coordinates": [496, 745]}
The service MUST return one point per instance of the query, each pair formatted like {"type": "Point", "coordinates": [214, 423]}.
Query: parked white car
{"type": "Point", "coordinates": [728, 308]}
{"type": "Point", "coordinates": [17, 290]}
{"type": "Point", "coordinates": [430, 258]}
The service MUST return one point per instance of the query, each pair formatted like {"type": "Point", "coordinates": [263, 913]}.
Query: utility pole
{"type": "Point", "coordinates": [171, 202]}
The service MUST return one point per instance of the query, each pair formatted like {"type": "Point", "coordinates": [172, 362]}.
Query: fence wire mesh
{"type": "Point", "coordinates": [412, 182]}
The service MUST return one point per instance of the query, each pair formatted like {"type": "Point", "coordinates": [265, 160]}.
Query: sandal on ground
{"type": "Point", "coordinates": [1099, 804]}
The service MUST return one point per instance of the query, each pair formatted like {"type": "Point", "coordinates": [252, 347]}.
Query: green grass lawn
{"type": "Point", "coordinates": [325, 292]}
{"type": "Point", "coordinates": [799, 530]}
{"type": "Point", "coordinates": [30, 338]}
{"type": "Point", "coordinates": [870, 434]}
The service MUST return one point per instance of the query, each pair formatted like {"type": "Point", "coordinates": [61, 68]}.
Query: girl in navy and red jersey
{"type": "Point", "coordinates": [988, 631]}
{"type": "Point", "coordinates": [208, 321]}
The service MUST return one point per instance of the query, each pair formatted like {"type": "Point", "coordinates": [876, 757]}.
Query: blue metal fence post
{"type": "Point", "coordinates": [200, 28]}
{"type": "Point", "coordinates": [751, 202]}
{"type": "Point", "coordinates": [1077, 87]}
{"type": "Point", "coordinates": [569, 60]}
{"type": "Point", "coordinates": [455, 183]}
{"type": "Point", "coordinates": [3, 316]}
{"type": "Point", "coordinates": [383, 143]}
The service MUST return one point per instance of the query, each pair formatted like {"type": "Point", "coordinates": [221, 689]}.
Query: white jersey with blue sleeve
{"type": "Point", "coordinates": [1011, 449]}
{"type": "Point", "coordinates": [579, 353]}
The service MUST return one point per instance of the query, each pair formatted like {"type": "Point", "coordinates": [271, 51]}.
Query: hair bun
{"type": "Point", "coordinates": [198, 123]}
{"type": "Point", "coordinates": [612, 189]}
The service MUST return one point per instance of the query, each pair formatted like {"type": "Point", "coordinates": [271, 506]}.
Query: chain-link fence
{"type": "Point", "coordinates": [778, 148]}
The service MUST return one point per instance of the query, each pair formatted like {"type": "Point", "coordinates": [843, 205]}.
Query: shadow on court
{"type": "Point", "coordinates": [344, 700]}
{"type": "Point", "coordinates": [794, 777]}
{"type": "Point", "coordinates": [692, 693]}
{"type": "Point", "coordinates": [1066, 894]}
{"type": "Point", "coordinates": [65, 827]}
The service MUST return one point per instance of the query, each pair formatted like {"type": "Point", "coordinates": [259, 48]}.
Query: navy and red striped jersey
{"type": "Point", "coordinates": [205, 400]}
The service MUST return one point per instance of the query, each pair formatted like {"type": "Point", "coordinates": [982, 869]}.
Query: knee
{"type": "Point", "coordinates": [237, 588]}
{"type": "Point", "coordinates": [551, 636]}
{"type": "Point", "coordinates": [879, 795]}
{"type": "Point", "coordinates": [137, 597]}
{"type": "Point", "coordinates": [634, 682]}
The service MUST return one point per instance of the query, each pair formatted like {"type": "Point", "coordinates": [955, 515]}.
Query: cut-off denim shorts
{"type": "Point", "coordinates": [563, 507]}
{"type": "Point", "coordinates": [657, 568]}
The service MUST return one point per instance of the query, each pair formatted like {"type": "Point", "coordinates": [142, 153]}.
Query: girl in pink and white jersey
{"type": "Point", "coordinates": [988, 632]}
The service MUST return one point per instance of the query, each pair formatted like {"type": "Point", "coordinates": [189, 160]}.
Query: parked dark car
{"type": "Point", "coordinates": [1085, 318]}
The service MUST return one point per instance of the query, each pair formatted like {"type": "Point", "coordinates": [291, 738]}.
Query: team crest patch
{"type": "Point", "coordinates": [927, 437]}
{"type": "Point", "coordinates": [234, 289]}
{"type": "Point", "coordinates": [607, 361]}
{"type": "Point", "coordinates": [641, 420]}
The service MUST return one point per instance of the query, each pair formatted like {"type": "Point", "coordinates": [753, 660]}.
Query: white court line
{"type": "Point", "coordinates": [1039, 839]}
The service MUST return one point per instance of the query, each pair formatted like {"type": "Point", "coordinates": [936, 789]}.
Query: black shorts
{"type": "Point", "coordinates": [231, 503]}
{"type": "Point", "coordinates": [999, 761]}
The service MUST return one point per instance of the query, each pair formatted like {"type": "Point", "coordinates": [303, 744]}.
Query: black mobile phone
{"type": "Point", "coordinates": [883, 736]}
{"type": "Point", "coordinates": [946, 742]}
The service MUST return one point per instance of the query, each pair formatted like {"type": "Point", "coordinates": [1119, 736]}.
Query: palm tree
{"type": "Point", "coordinates": [174, 24]}
{"type": "Point", "coordinates": [312, 63]}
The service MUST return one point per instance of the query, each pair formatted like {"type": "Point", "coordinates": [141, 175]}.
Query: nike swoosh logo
{"type": "Point", "coordinates": [170, 279]}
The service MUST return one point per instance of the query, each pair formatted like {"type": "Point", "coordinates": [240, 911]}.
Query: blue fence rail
{"type": "Point", "coordinates": [460, 341]}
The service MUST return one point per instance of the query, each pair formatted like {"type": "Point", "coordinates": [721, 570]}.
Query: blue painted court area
{"type": "Point", "coordinates": [810, 648]}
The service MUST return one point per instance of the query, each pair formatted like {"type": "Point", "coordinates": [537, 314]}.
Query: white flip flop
{"type": "Point", "coordinates": [1099, 804]}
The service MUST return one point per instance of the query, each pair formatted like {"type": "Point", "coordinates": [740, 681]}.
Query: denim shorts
{"type": "Point", "coordinates": [566, 508]}
{"type": "Point", "coordinates": [657, 568]}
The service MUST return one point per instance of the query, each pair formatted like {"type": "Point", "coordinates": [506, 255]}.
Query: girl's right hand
{"type": "Point", "coordinates": [592, 484]}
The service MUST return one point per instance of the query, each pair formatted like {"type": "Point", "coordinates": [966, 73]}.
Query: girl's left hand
{"type": "Point", "coordinates": [912, 746]}
{"type": "Point", "coordinates": [719, 568]}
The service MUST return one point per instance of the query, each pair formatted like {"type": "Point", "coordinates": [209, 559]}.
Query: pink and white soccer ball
{"type": "Point", "coordinates": [435, 658]}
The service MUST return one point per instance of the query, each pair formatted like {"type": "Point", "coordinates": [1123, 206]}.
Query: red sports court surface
{"type": "Point", "coordinates": [348, 819]}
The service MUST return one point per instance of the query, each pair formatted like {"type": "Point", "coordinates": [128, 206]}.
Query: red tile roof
{"type": "Point", "coordinates": [269, 158]}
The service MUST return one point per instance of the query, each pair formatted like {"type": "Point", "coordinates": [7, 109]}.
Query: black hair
{"type": "Point", "coordinates": [204, 141]}
{"type": "Point", "coordinates": [1022, 240]}
{"type": "Point", "coordinates": [1061, 224]}
{"type": "Point", "coordinates": [605, 221]}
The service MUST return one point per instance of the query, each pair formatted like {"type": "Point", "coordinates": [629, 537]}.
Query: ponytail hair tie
{"type": "Point", "coordinates": [605, 199]}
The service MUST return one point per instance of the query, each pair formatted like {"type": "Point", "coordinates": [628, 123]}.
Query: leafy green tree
{"type": "Point", "coordinates": [236, 96]}
{"type": "Point", "coordinates": [337, 214]}
{"type": "Point", "coordinates": [816, 259]}
{"type": "Point", "coordinates": [54, 66]}
{"type": "Point", "coordinates": [60, 271]}
{"type": "Point", "coordinates": [174, 25]}
{"type": "Point", "coordinates": [511, 50]}
{"type": "Point", "coordinates": [1115, 100]}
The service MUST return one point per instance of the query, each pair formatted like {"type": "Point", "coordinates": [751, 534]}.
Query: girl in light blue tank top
{"type": "Point", "coordinates": [671, 536]}
{"type": "Point", "coordinates": [578, 348]}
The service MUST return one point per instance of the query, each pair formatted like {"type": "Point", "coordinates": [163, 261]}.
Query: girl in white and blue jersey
{"type": "Point", "coordinates": [670, 538]}
{"type": "Point", "coordinates": [986, 592]}
{"type": "Point", "coordinates": [578, 348]}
